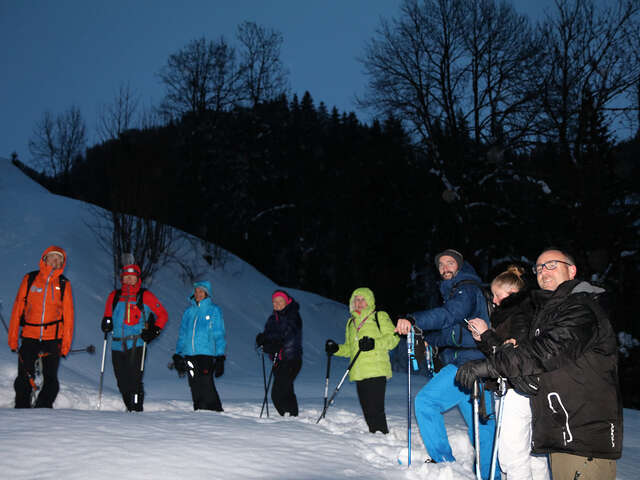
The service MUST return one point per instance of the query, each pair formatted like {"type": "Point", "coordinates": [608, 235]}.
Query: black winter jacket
{"type": "Point", "coordinates": [284, 328]}
{"type": "Point", "coordinates": [572, 349]}
{"type": "Point", "coordinates": [509, 320]}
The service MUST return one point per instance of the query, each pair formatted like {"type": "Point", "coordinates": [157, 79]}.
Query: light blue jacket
{"type": "Point", "coordinates": [202, 328]}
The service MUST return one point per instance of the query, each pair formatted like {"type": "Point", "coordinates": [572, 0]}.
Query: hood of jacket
{"type": "Point", "coordinates": [205, 285]}
{"type": "Point", "coordinates": [367, 294]}
{"type": "Point", "coordinates": [47, 269]}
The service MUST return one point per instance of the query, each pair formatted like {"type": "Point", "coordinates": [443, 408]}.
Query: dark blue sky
{"type": "Point", "coordinates": [55, 54]}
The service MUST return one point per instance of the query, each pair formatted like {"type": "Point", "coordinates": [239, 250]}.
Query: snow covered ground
{"type": "Point", "coordinates": [169, 440]}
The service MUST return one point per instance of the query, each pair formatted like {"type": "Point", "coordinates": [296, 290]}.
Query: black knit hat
{"type": "Point", "coordinates": [457, 256]}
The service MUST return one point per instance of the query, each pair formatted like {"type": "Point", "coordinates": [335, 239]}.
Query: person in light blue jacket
{"type": "Point", "coordinates": [200, 350]}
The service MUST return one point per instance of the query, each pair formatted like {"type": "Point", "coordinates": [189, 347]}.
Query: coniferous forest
{"type": "Point", "coordinates": [491, 135]}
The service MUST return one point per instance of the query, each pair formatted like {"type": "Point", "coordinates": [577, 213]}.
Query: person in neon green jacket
{"type": "Point", "coordinates": [371, 333]}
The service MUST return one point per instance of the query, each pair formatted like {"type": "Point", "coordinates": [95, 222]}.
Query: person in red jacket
{"type": "Point", "coordinates": [43, 310]}
{"type": "Point", "coordinates": [136, 317]}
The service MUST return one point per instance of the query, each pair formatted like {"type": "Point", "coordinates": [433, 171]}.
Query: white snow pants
{"type": "Point", "coordinates": [514, 446]}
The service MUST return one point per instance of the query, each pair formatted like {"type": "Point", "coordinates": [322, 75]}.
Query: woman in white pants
{"type": "Point", "coordinates": [510, 322]}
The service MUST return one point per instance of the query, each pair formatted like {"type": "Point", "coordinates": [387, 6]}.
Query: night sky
{"type": "Point", "coordinates": [76, 52]}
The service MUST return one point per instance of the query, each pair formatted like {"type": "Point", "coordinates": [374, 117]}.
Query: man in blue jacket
{"type": "Point", "coordinates": [445, 327]}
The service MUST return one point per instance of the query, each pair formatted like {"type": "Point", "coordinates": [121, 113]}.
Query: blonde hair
{"type": "Point", "coordinates": [510, 279]}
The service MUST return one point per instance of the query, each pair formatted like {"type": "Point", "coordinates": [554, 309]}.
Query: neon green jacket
{"type": "Point", "coordinates": [374, 363]}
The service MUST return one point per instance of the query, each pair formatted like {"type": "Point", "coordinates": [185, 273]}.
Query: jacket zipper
{"type": "Point", "coordinates": [44, 303]}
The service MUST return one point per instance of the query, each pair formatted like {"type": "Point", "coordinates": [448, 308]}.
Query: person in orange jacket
{"type": "Point", "coordinates": [43, 309]}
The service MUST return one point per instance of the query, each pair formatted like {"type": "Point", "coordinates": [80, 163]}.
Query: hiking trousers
{"type": "Point", "coordinates": [203, 389]}
{"type": "Point", "coordinates": [126, 367]}
{"type": "Point", "coordinates": [565, 466]}
{"type": "Point", "coordinates": [29, 351]}
{"type": "Point", "coordinates": [514, 447]}
{"type": "Point", "coordinates": [282, 393]}
{"type": "Point", "coordinates": [371, 393]}
{"type": "Point", "coordinates": [440, 395]}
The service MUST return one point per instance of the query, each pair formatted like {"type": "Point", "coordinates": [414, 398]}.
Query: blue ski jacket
{"type": "Point", "coordinates": [202, 327]}
{"type": "Point", "coordinates": [445, 326]}
{"type": "Point", "coordinates": [129, 320]}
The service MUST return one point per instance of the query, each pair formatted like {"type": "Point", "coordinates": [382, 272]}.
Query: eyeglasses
{"type": "Point", "coordinates": [550, 265]}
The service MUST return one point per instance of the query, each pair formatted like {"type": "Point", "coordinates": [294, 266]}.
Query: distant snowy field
{"type": "Point", "coordinates": [169, 440]}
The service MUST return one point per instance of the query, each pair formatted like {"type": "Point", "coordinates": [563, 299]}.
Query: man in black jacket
{"type": "Point", "coordinates": [571, 348]}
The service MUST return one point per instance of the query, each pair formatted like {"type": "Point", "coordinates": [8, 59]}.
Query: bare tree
{"type": "Point", "coordinates": [57, 142]}
{"type": "Point", "coordinates": [117, 117]}
{"type": "Point", "coordinates": [200, 77]}
{"type": "Point", "coordinates": [454, 62]}
{"type": "Point", "coordinates": [587, 54]}
{"type": "Point", "coordinates": [263, 76]}
{"type": "Point", "coordinates": [504, 53]}
{"type": "Point", "coordinates": [132, 239]}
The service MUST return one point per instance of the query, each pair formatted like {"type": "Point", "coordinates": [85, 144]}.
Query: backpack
{"type": "Point", "coordinates": [139, 303]}
{"type": "Point", "coordinates": [31, 276]}
{"type": "Point", "coordinates": [485, 289]}
{"type": "Point", "coordinates": [352, 319]}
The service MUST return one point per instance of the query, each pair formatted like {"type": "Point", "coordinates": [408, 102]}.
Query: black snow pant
{"type": "Point", "coordinates": [126, 367]}
{"type": "Point", "coordinates": [200, 370]}
{"type": "Point", "coordinates": [282, 394]}
{"type": "Point", "coordinates": [28, 353]}
{"type": "Point", "coordinates": [371, 395]}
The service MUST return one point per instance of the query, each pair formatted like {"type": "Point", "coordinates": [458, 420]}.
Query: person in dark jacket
{"type": "Point", "coordinates": [201, 346]}
{"type": "Point", "coordinates": [136, 317]}
{"type": "Point", "coordinates": [571, 348]}
{"type": "Point", "coordinates": [282, 340]}
{"type": "Point", "coordinates": [511, 319]}
{"type": "Point", "coordinates": [446, 327]}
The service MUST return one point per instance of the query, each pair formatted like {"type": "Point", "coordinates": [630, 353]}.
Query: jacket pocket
{"type": "Point", "coordinates": [560, 417]}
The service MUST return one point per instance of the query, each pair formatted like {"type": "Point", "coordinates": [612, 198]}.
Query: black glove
{"type": "Point", "coordinates": [474, 370]}
{"type": "Point", "coordinates": [148, 334]}
{"type": "Point", "coordinates": [260, 339]}
{"type": "Point", "coordinates": [179, 364]}
{"type": "Point", "coordinates": [107, 324]}
{"type": "Point", "coordinates": [219, 365]}
{"type": "Point", "coordinates": [272, 347]}
{"type": "Point", "coordinates": [526, 385]}
{"type": "Point", "coordinates": [366, 344]}
{"type": "Point", "coordinates": [331, 347]}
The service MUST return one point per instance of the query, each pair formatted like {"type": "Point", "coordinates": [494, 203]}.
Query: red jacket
{"type": "Point", "coordinates": [47, 316]}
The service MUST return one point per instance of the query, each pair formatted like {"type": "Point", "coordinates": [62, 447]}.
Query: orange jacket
{"type": "Point", "coordinates": [43, 308]}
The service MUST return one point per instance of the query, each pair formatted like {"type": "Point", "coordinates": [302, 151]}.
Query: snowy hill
{"type": "Point", "coordinates": [169, 440]}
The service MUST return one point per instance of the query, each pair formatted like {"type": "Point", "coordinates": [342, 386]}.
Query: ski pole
{"type": "Point", "coordinates": [144, 352]}
{"type": "Point", "coordinates": [494, 454]}
{"type": "Point", "coordinates": [88, 349]}
{"type": "Point", "coordinates": [266, 390]}
{"type": "Point", "coordinates": [337, 389]}
{"type": "Point", "coordinates": [326, 384]}
{"type": "Point", "coordinates": [4, 323]}
{"type": "Point", "coordinates": [476, 427]}
{"type": "Point", "coordinates": [104, 351]}
{"type": "Point", "coordinates": [264, 382]}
